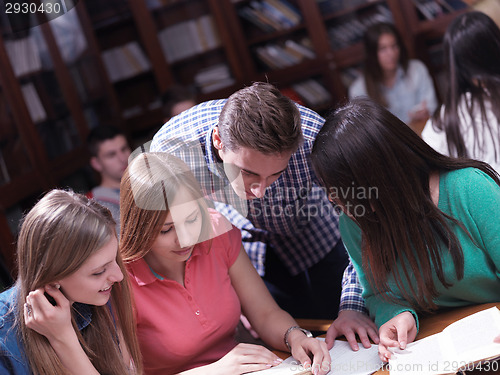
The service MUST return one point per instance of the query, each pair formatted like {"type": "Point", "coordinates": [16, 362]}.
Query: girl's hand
{"type": "Point", "coordinates": [397, 332]}
{"type": "Point", "coordinates": [304, 347]}
{"type": "Point", "coordinates": [244, 358]}
{"type": "Point", "coordinates": [53, 322]}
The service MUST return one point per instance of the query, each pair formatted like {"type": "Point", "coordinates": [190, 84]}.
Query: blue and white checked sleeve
{"type": "Point", "coordinates": [351, 298]}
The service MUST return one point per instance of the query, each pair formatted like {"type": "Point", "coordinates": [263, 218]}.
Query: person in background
{"type": "Point", "coordinates": [468, 124]}
{"type": "Point", "coordinates": [420, 227]}
{"type": "Point", "coordinates": [191, 278]}
{"type": "Point", "coordinates": [390, 78]}
{"type": "Point", "coordinates": [258, 143]}
{"type": "Point", "coordinates": [69, 311]}
{"type": "Point", "coordinates": [109, 152]}
{"type": "Point", "coordinates": [176, 100]}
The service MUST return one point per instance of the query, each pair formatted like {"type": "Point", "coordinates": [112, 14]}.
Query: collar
{"type": "Point", "coordinates": [143, 275]}
{"type": "Point", "coordinates": [83, 315]}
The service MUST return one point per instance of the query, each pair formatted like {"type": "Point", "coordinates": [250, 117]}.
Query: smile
{"type": "Point", "coordinates": [106, 289]}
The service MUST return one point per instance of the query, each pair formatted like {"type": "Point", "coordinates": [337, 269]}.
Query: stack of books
{"type": "Point", "coordinates": [189, 38]}
{"type": "Point", "coordinates": [213, 78]}
{"type": "Point", "coordinates": [350, 29]}
{"type": "Point", "coordinates": [32, 100]}
{"type": "Point", "coordinates": [23, 55]}
{"type": "Point", "coordinates": [125, 61]}
{"type": "Point", "coordinates": [271, 15]}
{"type": "Point", "coordinates": [288, 53]}
{"type": "Point", "coordinates": [313, 93]}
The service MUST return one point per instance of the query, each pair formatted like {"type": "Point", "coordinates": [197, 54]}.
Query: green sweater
{"type": "Point", "coordinates": [473, 198]}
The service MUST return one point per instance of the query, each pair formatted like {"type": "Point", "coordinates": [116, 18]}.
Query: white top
{"type": "Point", "coordinates": [408, 92]}
{"type": "Point", "coordinates": [488, 142]}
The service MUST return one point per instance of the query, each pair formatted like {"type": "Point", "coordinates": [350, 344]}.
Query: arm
{"type": "Point", "coordinates": [353, 317]}
{"type": "Point", "coordinates": [382, 309]}
{"type": "Point", "coordinates": [54, 322]}
{"type": "Point", "coordinates": [270, 321]}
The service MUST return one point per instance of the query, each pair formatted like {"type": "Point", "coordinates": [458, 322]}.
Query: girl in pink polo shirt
{"type": "Point", "coordinates": [192, 279]}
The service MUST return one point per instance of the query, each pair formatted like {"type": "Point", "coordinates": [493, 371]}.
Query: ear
{"type": "Point", "coordinates": [216, 139]}
{"type": "Point", "coordinates": [94, 162]}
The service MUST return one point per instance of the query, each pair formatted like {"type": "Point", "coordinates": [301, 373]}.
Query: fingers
{"type": "Point", "coordinates": [255, 354]}
{"type": "Point", "coordinates": [384, 353]}
{"type": "Point", "coordinates": [497, 339]}
{"type": "Point", "coordinates": [351, 338]}
{"type": "Point", "coordinates": [56, 294]}
{"type": "Point", "coordinates": [373, 333]}
{"type": "Point", "coordinates": [331, 335]}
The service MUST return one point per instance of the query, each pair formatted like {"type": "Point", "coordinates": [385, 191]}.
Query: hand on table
{"type": "Point", "coordinates": [397, 332]}
{"type": "Point", "coordinates": [351, 323]}
{"type": "Point", "coordinates": [304, 347]}
{"type": "Point", "coordinates": [244, 358]}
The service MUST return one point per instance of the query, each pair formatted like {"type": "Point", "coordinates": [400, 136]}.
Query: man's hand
{"type": "Point", "coordinates": [351, 323]}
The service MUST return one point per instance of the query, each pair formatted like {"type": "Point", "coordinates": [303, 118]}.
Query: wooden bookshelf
{"type": "Point", "coordinates": [77, 94]}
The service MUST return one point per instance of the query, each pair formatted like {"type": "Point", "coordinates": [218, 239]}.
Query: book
{"type": "Point", "coordinates": [460, 346]}
{"type": "Point", "coordinates": [345, 361]}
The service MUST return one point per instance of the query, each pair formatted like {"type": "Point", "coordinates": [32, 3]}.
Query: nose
{"type": "Point", "coordinates": [258, 189]}
{"type": "Point", "coordinates": [184, 237]}
{"type": "Point", "coordinates": [117, 275]}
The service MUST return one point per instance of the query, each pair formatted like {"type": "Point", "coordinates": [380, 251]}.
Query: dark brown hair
{"type": "Point", "coordinates": [472, 54]}
{"type": "Point", "coordinates": [363, 145]}
{"type": "Point", "coordinates": [260, 118]}
{"type": "Point", "coordinates": [373, 73]}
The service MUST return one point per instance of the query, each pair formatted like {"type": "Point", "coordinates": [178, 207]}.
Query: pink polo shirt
{"type": "Point", "coordinates": [184, 327]}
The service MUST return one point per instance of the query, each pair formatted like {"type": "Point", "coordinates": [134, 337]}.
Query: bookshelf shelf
{"type": "Point", "coordinates": [352, 9]}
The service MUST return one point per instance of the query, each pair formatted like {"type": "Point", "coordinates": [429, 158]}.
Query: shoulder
{"type": "Point", "coordinates": [311, 122]}
{"type": "Point", "coordinates": [470, 182]}
{"type": "Point", "coordinates": [7, 301]}
{"type": "Point", "coordinates": [417, 66]}
{"type": "Point", "coordinates": [358, 87]}
{"type": "Point", "coordinates": [190, 124]}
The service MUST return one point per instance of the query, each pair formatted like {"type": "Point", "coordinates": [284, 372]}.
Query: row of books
{"type": "Point", "coordinates": [86, 79]}
{"type": "Point", "coordinates": [430, 9]}
{"type": "Point", "coordinates": [351, 28]}
{"type": "Point", "coordinates": [214, 78]}
{"type": "Point", "coordinates": [271, 15]}
{"type": "Point", "coordinates": [288, 53]}
{"type": "Point", "coordinates": [23, 55]}
{"type": "Point", "coordinates": [313, 93]}
{"type": "Point", "coordinates": [189, 38]}
{"type": "Point", "coordinates": [33, 102]}
{"type": "Point", "coordinates": [125, 61]}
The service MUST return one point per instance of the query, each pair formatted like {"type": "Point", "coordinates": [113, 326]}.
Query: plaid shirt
{"type": "Point", "coordinates": [294, 216]}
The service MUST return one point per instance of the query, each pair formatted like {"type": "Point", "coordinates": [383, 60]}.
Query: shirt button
{"type": "Point", "coordinates": [197, 312]}
{"type": "Point", "coordinates": [190, 298]}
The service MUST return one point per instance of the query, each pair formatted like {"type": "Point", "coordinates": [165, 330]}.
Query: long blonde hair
{"type": "Point", "coordinates": [57, 236]}
{"type": "Point", "coordinates": [149, 183]}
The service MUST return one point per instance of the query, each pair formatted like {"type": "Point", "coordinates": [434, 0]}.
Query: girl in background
{"type": "Point", "coordinates": [468, 124]}
{"type": "Point", "coordinates": [401, 85]}
{"type": "Point", "coordinates": [421, 228]}
{"type": "Point", "coordinates": [69, 310]}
